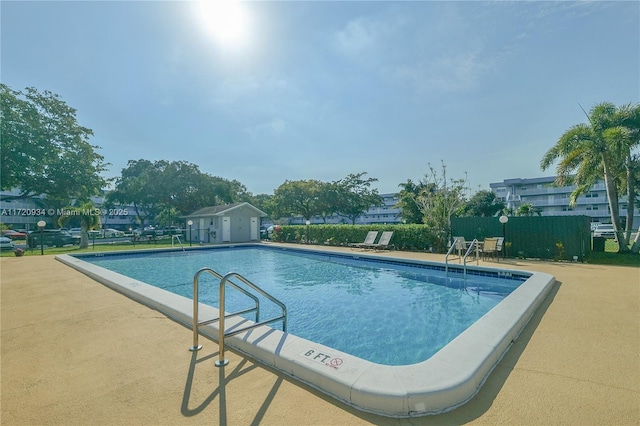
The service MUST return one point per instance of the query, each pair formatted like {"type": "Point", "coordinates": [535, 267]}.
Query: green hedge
{"type": "Point", "coordinates": [405, 237]}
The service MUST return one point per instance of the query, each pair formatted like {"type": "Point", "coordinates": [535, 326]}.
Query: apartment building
{"type": "Point", "coordinates": [552, 200]}
{"type": "Point", "coordinates": [386, 213]}
{"type": "Point", "coordinates": [24, 213]}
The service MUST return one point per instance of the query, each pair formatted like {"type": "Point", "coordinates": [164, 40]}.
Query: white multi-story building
{"type": "Point", "coordinates": [24, 213]}
{"type": "Point", "coordinates": [552, 200]}
{"type": "Point", "coordinates": [386, 213]}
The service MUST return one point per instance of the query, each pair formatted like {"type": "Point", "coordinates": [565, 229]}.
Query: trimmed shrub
{"type": "Point", "coordinates": [405, 237]}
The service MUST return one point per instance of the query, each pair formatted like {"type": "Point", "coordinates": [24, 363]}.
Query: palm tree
{"type": "Point", "coordinates": [627, 137]}
{"type": "Point", "coordinates": [89, 218]}
{"type": "Point", "coordinates": [602, 148]}
{"type": "Point", "coordinates": [527, 209]}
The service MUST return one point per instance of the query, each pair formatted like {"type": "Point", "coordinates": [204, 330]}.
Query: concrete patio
{"type": "Point", "coordinates": [75, 353]}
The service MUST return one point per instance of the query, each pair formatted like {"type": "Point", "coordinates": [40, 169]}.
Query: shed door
{"type": "Point", "coordinates": [254, 228]}
{"type": "Point", "coordinates": [226, 229]}
{"type": "Point", "coordinates": [202, 230]}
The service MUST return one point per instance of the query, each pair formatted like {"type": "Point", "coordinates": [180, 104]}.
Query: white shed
{"type": "Point", "coordinates": [231, 223]}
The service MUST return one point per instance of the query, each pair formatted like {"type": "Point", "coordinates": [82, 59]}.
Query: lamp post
{"type": "Point", "coordinates": [190, 223]}
{"type": "Point", "coordinates": [308, 222]}
{"type": "Point", "coordinates": [503, 220]}
{"type": "Point", "coordinates": [41, 225]}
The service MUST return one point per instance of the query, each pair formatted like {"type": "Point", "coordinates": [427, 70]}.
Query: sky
{"type": "Point", "coordinates": [263, 92]}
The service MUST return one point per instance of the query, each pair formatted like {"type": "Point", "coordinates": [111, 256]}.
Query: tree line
{"type": "Point", "coordinates": [45, 151]}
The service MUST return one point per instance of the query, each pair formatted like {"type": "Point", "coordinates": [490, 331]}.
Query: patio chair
{"type": "Point", "coordinates": [369, 240]}
{"type": "Point", "coordinates": [383, 243]}
{"type": "Point", "coordinates": [489, 248]}
{"type": "Point", "coordinates": [460, 246]}
{"type": "Point", "coordinates": [499, 247]}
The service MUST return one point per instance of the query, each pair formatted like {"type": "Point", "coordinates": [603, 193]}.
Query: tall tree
{"type": "Point", "coordinates": [441, 200]}
{"type": "Point", "coordinates": [138, 186]}
{"type": "Point", "coordinates": [410, 211]}
{"type": "Point", "coordinates": [483, 203]}
{"type": "Point", "coordinates": [603, 148]}
{"type": "Point", "coordinates": [354, 195]}
{"type": "Point", "coordinates": [151, 187]}
{"type": "Point", "coordinates": [627, 136]}
{"type": "Point", "coordinates": [44, 150]}
{"type": "Point", "coordinates": [298, 197]}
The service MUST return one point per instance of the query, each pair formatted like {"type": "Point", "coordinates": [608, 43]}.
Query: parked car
{"type": "Point", "coordinates": [14, 235]}
{"type": "Point", "coordinates": [6, 243]}
{"type": "Point", "coordinates": [75, 232]}
{"type": "Point", "coordinates": [151, 231]}
{"type": "Point", "coordinates": [266, 231]}
{"type": "Point", "coordinates": [148, 231]}
{"type": "Point", "coordinates": [173, 230]}
{"type": "Point", "coordinates": [95, 233]}
{"type": "Point", "coordinates": [50, 238]}
{"type": "Point", "coordinates": [604, 230]}
{"type": "Point", "coordinates": [111, 233]}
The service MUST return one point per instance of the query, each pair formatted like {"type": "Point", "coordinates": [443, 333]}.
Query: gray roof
{"type": "Point", "coordinates": [222, 210]}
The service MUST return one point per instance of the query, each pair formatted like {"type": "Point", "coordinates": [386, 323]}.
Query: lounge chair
{"type": "Point", "coordinates": [383, 244]}
{"type": "Point", "coordinates": [369, 240]}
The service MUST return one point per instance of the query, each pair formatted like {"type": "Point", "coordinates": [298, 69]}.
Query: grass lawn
{"type": "Point", "coordinates": [610, 256]}
{"type": "Point", "coordinates": [115, 246]}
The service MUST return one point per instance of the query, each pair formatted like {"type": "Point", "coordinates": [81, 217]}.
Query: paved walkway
{"type": "Point", "coordinates": [74, 352]}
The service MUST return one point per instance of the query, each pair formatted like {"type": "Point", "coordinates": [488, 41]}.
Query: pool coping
{"type": "Point", "coordinates": [443, 382]}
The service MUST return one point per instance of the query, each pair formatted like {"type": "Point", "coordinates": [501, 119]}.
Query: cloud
{"type": "Point", "coordinates": [451, 72]}
{"type": "Point", "coordinates": [278, 125]}
{"type": "Point", "coordinates": [420, 52]}
{"type": "Point", "coordinates": [357, 37]}
{"type": "Point", "coordinates": [274, 127]}
{"type": "Point", "coordinates": [368, 35]}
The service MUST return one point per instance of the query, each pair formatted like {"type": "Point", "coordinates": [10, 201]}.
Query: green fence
{"type": "Point", "coordinates": [547, 237]}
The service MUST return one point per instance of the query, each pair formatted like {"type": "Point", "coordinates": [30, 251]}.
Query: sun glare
{"type": "Point", "coordinates": [227, 21]}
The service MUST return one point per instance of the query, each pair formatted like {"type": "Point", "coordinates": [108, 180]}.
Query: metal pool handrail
{"type": "Point", "coordinates": [221, 332]}
{"type": "Point", "coordinates": [446, 258]}
{"type": "Point", "coordinates": [474, 244]}
{"type": "Point", "coordinates": [177, 237]}
{"type": "Point", "coordinates": [196, 324]}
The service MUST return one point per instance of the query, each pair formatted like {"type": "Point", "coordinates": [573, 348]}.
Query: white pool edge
{"type": "Point", "coordinates": [445, 381]}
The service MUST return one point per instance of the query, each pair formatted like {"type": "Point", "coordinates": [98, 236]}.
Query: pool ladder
{"type": "Point", "coordinates": [473, 245]}
{"type": "Point", "coordinates": [224, 280]}
{"type": "Point", "coordinates": [177, 237]}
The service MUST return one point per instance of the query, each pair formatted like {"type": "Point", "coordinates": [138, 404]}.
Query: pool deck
{"type": "Point", "coordinates": [74, 352]}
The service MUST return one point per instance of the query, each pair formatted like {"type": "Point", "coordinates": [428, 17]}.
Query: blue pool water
{"type": "Point", "coordinates": [391, 313]}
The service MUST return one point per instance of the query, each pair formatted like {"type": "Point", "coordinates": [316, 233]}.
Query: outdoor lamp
{"type": "Point", "coordinates": [503, 220]}
{"type": "Point", "coordinates": [41, 225]}
{"type": "Point", "coordinates": [190, 223]}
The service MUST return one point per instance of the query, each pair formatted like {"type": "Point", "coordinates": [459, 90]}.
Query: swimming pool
{"type": "Point", "coordinates": [430, 384]}
{"type": "Point", "coordinates": [385, 312]}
